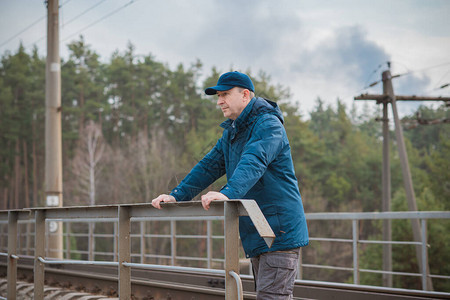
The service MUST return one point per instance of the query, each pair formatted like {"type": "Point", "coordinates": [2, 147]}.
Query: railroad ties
{"type": "Point", "coordinates": [25, 291]}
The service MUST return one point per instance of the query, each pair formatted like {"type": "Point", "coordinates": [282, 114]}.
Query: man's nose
{"type": "Point", "coordinates": [219, 100]}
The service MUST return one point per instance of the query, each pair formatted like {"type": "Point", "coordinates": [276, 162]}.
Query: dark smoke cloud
{"type": "Point", "coordinates": [348, 53]}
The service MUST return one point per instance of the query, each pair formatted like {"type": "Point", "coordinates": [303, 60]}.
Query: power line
{"type": "Point", "coordinates": [90, 25]}
{"type": "Point", "coordinates": [99, 20]}
{"type": "Point", "coordinates": [371, 74]}
{"type": "Point", "coordinates": [64, 3]}
{"type": "Point", "coordinates": [401, 64]}
{"type": "Point", "coordinates": [37, 41]}
{"type": "Point", "coordinates": [84, 12]}
{"type": "Point", "coordinates": [411, 72]}
{"type": "Point", "coordinates": [440, 80]}
{"type": "Point", "coordinates": [411, 124]}
{"type": "Point", "coordinates": [22, 31]}
{"type": "Point", "coordinates": [424, 69]}
{"type": "Point", "coordinates": [28, 27]}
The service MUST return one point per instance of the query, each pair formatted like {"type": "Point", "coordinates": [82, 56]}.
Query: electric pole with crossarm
{"type": "Point", "coordinates": [387, 97]}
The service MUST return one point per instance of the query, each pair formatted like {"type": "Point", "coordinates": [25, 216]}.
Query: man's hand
{"type": "Point", "coordinates": [211, 196]}
{"type": "Point", "coordinates": [162, 198]}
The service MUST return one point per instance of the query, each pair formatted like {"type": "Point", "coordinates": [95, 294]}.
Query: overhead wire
{"type": "Point", "coordinates": [28, 27]}
{"type": "Point", "coordinates": [401, 64]}
{"type": "Point", "coordinates": [440, 81]}
{"type": "Point", "coordinates": [370, 76]}
{"type": "Point", "coordinates": [22, 31]}
{"type": "Point", "coordinates": [424, 69]}
{"type": "Point", "coordinates": [429, 68]}
{"type": "Point", "coordinates": [84, 12]}
{"type": "Point", "coordinates": [409, 72]}
{"type": "Point", "coordinates": [373, 72]}
{"type": "Point", "coordinates": [99, 20]}
{"type": "Point", "coordinates": [421, 122]}
{"type": "Point", "coordinates": [70, 21]}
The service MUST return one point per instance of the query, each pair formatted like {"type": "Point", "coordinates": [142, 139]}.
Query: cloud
{"type": "Point", "coordinates": [346, 56]}
{"type": "Point", "coordinates": [330, 50]}
{"type": "Point", "coordinates": [412, 85]}
{"type": "Point", "coordinates": [243, 34]}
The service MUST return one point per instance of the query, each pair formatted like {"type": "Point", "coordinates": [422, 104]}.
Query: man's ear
{"type": "Point", "coordinates": [246, 94]}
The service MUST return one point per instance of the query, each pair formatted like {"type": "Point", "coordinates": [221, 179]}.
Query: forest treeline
{"type": "Point", "coordinates": [133, 127]}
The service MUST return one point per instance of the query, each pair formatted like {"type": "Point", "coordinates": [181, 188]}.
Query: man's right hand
{"type": "Point", "coordinates": [162, 198]}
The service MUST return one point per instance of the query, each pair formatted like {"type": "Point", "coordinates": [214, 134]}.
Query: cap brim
{"type": "Point", "coordinates": [213, 90]}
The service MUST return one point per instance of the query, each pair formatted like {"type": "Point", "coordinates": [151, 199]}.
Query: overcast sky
{"type": "Point", "coordinates": [326, 49]}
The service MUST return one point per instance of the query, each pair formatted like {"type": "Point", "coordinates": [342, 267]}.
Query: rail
{"type": "Point", "coordinates": [231, 210]}
{"type": "Point", "coordinates": [142, 237]}
{"type": "Point", "coordinates": [354, 240]}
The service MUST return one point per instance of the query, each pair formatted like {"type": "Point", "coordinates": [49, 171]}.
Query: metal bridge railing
{"type": "Point", "coordinates": [90, 251]}
{"type": "Point", "coordinates": [80, 243]}
{"type": "Point", "coordinates": [231, 210]}
{"type": "Point", "coordinates": [353, 238]}
{"type": "Point", "coordinates": [355, 241]}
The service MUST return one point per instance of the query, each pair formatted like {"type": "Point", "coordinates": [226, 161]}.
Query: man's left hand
{"type": "Point", "coordinates": [211, 196]}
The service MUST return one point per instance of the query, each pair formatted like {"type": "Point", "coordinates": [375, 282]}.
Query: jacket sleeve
{"type": "Point", "coordinates": [205, 172]}
{"type": "Point", "coordinates": [266, 142]}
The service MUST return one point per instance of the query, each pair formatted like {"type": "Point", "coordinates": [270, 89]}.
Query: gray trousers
{"type": "Point", "coordinates": [275, 273]}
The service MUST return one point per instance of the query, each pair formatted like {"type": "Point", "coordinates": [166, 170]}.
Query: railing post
{"type": "Point", "coordinates": [90, 241]}
{"type": "Point", "coordinates": [19, 244]}
{"type": "Point", "coordinates": [300, 264]}
{"type": "Point", "coordinates": [124, 253]}
{"type": "Point", "coordinates": [173, 240]}
{"type": "Point", "coordinates": [28, 238]}
{"type": "Point", "coordinates": [115, 241]}
{"type": "Point", "coordinates": [39, 251]}
{"type": "Point", "coordinates": [231, 248]}
{"type": "Point", "coordinates": [209, 243]}
{"type": "Point", "coordinates": [12, 249]}
{"type": "Point", "coordinates": [68, 244]}
{"type": "Point", "coordinates": [3, 236]}
{"type": "Point", "coordinates": [424, 254]}
{"type": "Point", "coordinates": [355, 230]}
{"type": "Point", "coordinates": [142, 225]}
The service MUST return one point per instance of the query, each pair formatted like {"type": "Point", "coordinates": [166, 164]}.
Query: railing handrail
{"type": "Point", "coordinates": [230, 209]}
{"type": "Point", "coordinates": [24, 215]}
{"type": "Point", "coordinates": [378, 215]}
{"type": "Point", "coordinates": [309, 216]}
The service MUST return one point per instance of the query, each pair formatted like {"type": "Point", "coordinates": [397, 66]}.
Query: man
{"type": "Point", "coordinates": [255, 155]}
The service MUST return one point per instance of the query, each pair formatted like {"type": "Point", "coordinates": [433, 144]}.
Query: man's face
{"type": "Point", "coordinates": [231, 102]}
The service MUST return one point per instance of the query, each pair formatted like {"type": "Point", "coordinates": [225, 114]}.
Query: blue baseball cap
{"type": "Point", "coordinates": [230, 80]}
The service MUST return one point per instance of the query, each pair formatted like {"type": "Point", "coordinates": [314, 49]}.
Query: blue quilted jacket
{"type": "Point", "coordinates": [255, 155]}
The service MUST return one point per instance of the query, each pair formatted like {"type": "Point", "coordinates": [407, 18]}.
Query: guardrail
{"type": "Point", "coordinates": [354, 239]}
{"type": "Point", "coordinates": [231, 210]}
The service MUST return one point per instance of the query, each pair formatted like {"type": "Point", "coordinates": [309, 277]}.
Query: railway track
{"type": "Point", "coordinates": [25, 292]}
{"type": "Point", "coordinates": [88, 281]}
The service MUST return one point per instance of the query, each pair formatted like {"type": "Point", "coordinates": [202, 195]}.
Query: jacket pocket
{"type": "Point", "coordinates": [272, 217]}
{"type": "Point", "coordinates": [280, 272]}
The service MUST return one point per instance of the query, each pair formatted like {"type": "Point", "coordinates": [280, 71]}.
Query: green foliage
{"type": "Point", "coordinates": [438, 166]}
{"type": "Point", "coordinates": [157, 124]}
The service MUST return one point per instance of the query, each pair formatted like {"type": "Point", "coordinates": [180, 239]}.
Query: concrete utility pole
{"type": "Point", "coordinates": [389, 97]}
{"type": "Point", "coordinates": [53, 141]}
{"type": "Point", "coordinates": [386, 195]}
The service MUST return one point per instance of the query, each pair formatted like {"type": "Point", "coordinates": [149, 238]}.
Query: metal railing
{"type": "Point", "coordinates": [231, 210]}
{"type": "Point", "coordinates": [141, 235]}
{"type": "Point", "coordinates": [355, 240]}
